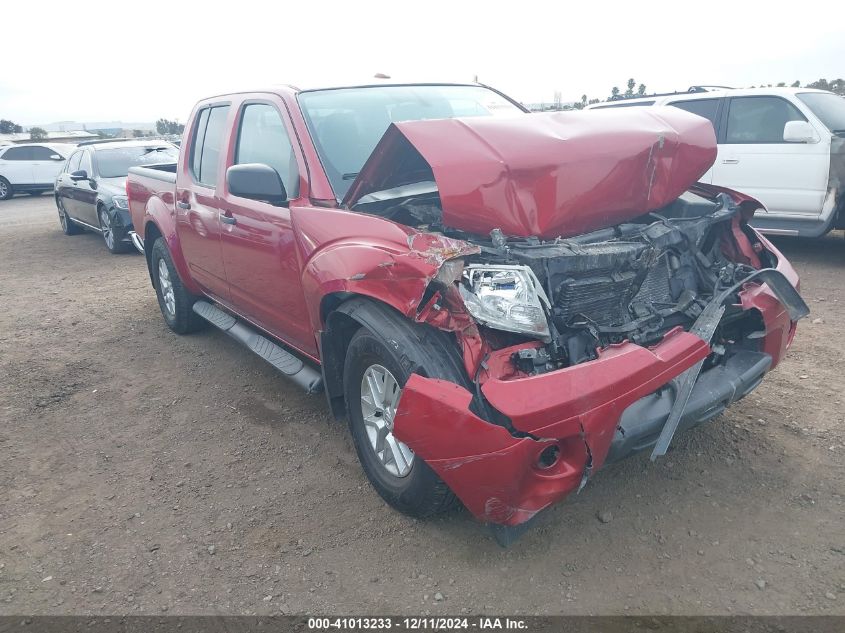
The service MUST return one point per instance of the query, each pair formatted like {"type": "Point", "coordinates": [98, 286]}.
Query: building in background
{"type": "Point", "coordinates": [75, 136]}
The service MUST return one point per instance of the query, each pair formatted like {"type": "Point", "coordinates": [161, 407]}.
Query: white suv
{"type": "Point", "coordinates": [784, 146]}
{"type": "Point", "coordinates": [31, 167]}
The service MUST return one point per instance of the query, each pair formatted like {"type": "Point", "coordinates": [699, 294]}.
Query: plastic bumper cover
{"type": "Point", "coordinates": [574, 411]}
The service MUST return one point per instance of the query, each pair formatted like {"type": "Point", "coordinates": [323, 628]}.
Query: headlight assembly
{"type": "Point", "coordinates": [120, 202]}
{"type": "Point", "coordinates": [508, 298]}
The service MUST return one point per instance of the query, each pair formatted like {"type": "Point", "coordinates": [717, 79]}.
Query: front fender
{"type": "Point", "coordinates": [396, 274]}
{"type": "Point", "coordinates": [368, 270]}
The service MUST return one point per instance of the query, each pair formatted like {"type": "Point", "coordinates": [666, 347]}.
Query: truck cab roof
{"type": "Point", "coordinates": [366, 82]}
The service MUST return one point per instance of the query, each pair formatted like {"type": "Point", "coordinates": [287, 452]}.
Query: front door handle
{"type": "Point", "coordinates": [183, 205]}
{"type": "Point", "coordinates": [228, 219]}
{"type": "Point", "coordinates": [730, 161]}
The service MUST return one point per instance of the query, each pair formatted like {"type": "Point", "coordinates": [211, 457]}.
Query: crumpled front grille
{"type": "Point", "coordinates": [600, 298]}
{"type": "Point", "coordinates": [604, 297]}
{"type": "Point", "coordinates": [655, 287]}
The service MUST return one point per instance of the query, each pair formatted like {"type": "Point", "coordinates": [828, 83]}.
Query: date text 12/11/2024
{"type": "Point", "coordinates": [417, 624]}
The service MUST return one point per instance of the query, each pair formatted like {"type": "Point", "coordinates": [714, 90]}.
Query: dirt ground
{"type": "Point", "coordinates": [142, 472]}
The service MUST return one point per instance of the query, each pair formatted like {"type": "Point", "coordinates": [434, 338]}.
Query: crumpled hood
{"type": "Point", "coordinates": [546, 175]}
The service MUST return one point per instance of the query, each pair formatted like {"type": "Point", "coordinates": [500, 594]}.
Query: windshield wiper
{"type": "Point", "coordinates": [350, 176]}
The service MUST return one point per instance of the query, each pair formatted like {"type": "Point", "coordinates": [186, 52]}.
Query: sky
{"type": "Point", "coordinates": [140, 61]}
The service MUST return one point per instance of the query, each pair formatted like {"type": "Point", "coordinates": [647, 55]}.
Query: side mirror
{"type": "Point", "coordinates": [799, 132]}
{"type": "Point", "coordinates": [56, 157]}
{"type": "Point", "coordinates": [76, 176]}
{"type": "Point", "coordinates": [256, 181]}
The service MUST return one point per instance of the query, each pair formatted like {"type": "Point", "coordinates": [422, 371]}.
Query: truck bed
{"type": "Point", "coordinates": [160, 171]}
{"type": "Point", "coordinates": [149, 181]}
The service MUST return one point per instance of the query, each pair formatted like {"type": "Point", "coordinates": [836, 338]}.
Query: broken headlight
{"type": "Point", "coordinates": [508, 298]}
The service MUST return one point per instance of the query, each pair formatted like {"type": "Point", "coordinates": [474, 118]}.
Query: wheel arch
{"type": "Point", "coordinates": [343, 313]}
{"type": "Point", "coordinates": [151, 234]}
{"type": "Point", "coordinates": [100, 206]}
{"type": "Point", "coordinates": [159, 224]}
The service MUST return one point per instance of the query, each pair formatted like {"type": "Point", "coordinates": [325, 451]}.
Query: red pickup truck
{"type": "Point", "coordinates": [500, 303]}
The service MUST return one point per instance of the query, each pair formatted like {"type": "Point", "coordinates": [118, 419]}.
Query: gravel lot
{"type": "Point", "coordinates": [142, 472]}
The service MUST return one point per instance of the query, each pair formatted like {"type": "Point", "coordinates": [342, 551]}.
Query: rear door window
{"type": "Point", "coordinates": [39, 152]}
{"type": "Point", "coordinates": [707, 108]}
{"type": "Point", "coordinates": [262, 138]}
{"type": "Point", "coordinates": [196, 144]}
{"type": "Point", "coordinates": [18, 153]}
{"type": "Point", "coordinates": [207, 144]}
{"type": "Point", "coordinates": [759, 119]}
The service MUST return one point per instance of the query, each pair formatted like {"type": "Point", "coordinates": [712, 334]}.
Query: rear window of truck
{"type": "Point", "coordinates": [206, 144]}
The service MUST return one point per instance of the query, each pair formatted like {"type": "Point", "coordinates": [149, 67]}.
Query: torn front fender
{"type": "Point", "coordinates": [347, 253]}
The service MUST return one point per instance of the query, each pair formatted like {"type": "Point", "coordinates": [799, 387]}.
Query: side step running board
{"type": "Point", "coordinates": [303, 375]}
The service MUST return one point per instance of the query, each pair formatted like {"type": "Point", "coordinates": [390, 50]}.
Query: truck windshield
{"type": "Point", "coordinates": [115, 163]}
{"type": "Point", "coordinates": [346, 123]}
{"type": "Point", "coordinates": [830, 109]}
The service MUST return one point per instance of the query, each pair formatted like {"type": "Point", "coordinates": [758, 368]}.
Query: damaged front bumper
{"type": "Point", "coordinates": [500, 476]}
{"type": "Point", "coordinates": [565, 424]}
{"type": "Point", "coordinates": [722, 385]}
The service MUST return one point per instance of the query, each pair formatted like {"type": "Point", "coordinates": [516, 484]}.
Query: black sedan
{"type": "Point", "coordinates": [91, 189]}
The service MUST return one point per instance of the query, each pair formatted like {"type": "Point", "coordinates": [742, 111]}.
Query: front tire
{"type": "Point", "coordinates": [114, 245]}
{"type": "Point", "coordinates": [6, 189]}
{"type": "Point", "coordinates": [174, 300]}
{"type": "Point", "coordinates": [374, 373]}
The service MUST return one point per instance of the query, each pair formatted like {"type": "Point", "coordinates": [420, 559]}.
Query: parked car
{"type": "Point", "coordinates": [500, 304]}
{"type": "Point", "coordinates": [784, 146]}
{"type": "Point", "coordinates": [31, 167]}
{"type": "Point", "coordinates": [91, 189]}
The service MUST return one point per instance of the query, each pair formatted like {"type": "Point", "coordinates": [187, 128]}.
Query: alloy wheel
{"type": "Point", "coordinates": [166, 288]}
{"type": "Point", "coordinates": [380, 394]}
{"type": "Point", "coordinates": [4, 189]}
{"type": "Point", "coordinates": [105, 227]}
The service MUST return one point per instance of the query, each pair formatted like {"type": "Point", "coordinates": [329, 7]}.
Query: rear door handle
{"type": "Point", "coordinates": [730, 161]}
{"type": "Point", "coordinates": [228, 219]}
{"type": "Point", "coordinates": [183, 205]}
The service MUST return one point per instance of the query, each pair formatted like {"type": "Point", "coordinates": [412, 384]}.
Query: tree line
{"type": "Point", "coordinates": [166, 126]}
{"type": "Point", "coordinates": [836, 86]}
{"type": "Point", "coordinates": [163, 126]}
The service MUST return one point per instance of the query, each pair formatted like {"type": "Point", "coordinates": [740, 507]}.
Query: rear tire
{"type": "Point", "coordinates": [68, 225]}
{"type": "Point", "coordinates": [6, 189]}
{"type": "Point", "coordinates": [174, 300]}
{"type": "Point", "coordinates": [417, 491]}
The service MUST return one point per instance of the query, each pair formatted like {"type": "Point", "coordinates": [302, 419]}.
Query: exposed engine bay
{"type": "Point", "coordinates": [635, 281]}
